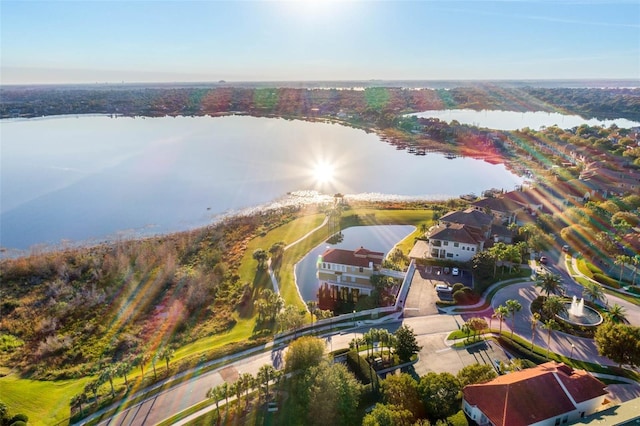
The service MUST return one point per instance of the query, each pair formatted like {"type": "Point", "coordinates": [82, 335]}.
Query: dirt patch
{"type": "Point", "coordinates": [229, 374]}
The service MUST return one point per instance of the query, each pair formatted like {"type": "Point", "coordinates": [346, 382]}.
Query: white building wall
{"type": "Point", "coordinates": [460, 252]}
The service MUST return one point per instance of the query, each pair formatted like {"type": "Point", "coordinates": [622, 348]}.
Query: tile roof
{"type": "Point", "coordinates": [359, 257]}
{"type": "Point", "coordinates": [469, 217]}
{"type": "Point", "coordinates": [497, 204]}
{"type": "Point", "coordinates": [456, 232]}
{"type": "Point", "coordinates": [532, 395]}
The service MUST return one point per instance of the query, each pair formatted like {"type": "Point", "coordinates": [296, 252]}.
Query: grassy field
{"type": "Point", "coordinates": [44, 402]}
{"type": "Point", "coordinates": [48, 402]}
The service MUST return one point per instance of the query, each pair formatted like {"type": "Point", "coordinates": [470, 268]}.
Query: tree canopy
{"type": "Point", "coordinates": [304, 353]}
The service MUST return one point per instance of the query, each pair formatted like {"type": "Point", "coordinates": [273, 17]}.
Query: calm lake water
{"type": "Point", "coordinates": [375, 238]}
{"type": "Point", "coordinates": [91, 178]}
{"type": "Point", "coordinates": [512, 120]}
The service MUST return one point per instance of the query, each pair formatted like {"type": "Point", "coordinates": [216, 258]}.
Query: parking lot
{"type": "Point", "coordinates": [422, 296]}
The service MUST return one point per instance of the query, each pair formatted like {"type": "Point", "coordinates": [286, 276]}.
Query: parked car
{"type": "Point", "coordinates": [446, 270]}
{"type": "Point", "coordinates": [443, 288]}
{"type": "Point", "coordinates": [455, 272]}
{"type": "Point", "coordinates": [544, 260]}
{"type": "Point", "coordinates": [565, 248]}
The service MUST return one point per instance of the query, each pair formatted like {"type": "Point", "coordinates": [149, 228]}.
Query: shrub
{"type": "Point", "coordinates": [606, 280]}
{"type": "Point", "coordinates": [361, 368]}
{"type": "Point", "coordinates": [593, 268]}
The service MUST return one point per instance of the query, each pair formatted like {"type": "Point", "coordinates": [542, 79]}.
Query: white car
{"type": "Point", "coordinates": [455, 272]}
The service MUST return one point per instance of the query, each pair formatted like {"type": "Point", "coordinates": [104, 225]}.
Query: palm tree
{"type": "Point", "coordinates": [78, 400]}
{"type": "Point", "coordinates": [622, 260]}
{"type": "Point", "coordinates": [215, 394]}
{"type": "Point", "coordinates": [122, 368]}
{"type": "Point", "coordinates": [549, 325]}
{"type": "Point", "coordinates": [225, 389]}
{"type": "Point", "coordinates": [238, 388]}
{"type": "Point", "coordinates": [593, 292]}
{"type": "Point", "coordinates": [534, 322]}
{"type": "Point", "coordinates": [554, 305]}
{"type": "Point", "coordinates": [93, 387]}
{"type": "Point", "coordinates": [167, 355]}
{"type": "Point", "coordinates": [141, 360]}
{"type": "Point", "coordinates": [108, 374]}
{"type": "Point", "coordinates": [513, 306]}
{"type": "Point", "coordinates": [550, 284]}
{"type": "Point", "coordinates": [248, 383]}
{"type": "Point", "coordinates": [617, 313]}
{"type": "Point", "coordinates": [266, 373]}
{"type": "Point", "coordinates": [312, 306]}
{"type": "Point", "coordinates": [635, 260]}
{"type": "Point", "coordinates": [501, 312]}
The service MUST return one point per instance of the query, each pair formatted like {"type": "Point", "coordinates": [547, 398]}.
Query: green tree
{"type": "Point", "coordinates": [534, 322]}
{"type": "Point", "coordinates": [553, 305]}
{"type": "Point", "coordinates": [549, 325]}
{"type": "Point", "coordinates": [406, 343]}
{"type": "Point", "coordinates": [401, 390]}
{"type": "Point", "coordinates": [260, 256]}
{"type": "Point", "coordinates": [304, 353]}
{"type": "Point", "coordinates": [107, 374]}
{"type": "Point", "coordinates": [592, 291]}
{"type": "Point", "coordinates": [291, 318]}
{"type": "Point", "coordinates": [79, 400]}
{"type": "Point", "coordinates": [166, 354]}
{"type": "Point", "coordinates": [122, 368]}
{"type": "Point", "coordinates": [388, 415]}
{"type": "Point", "coordinates": [333, 395]}
{"type": "Point", "coordinates": [475, 373]}
{"type": "Point", "coordinates": [483, 265]}
{"type": "Point", "coordinates": [622, 261]}
{"type": "Point", "coordinates": [619, 342]}
{"type": "Point", "coordinates": [549, 283]}
{"type": "Point", "coordinates": [277, 250]}
{"type": "Point", "coordinates": [215, 393]}
{"type": "Point", "coordinates": [513, 306]}
{"type": "Point", "coordinates": [476, 325]}
{"type": "Point", "coordinates": [440, 395]}
{"type": "Point", "coordinates": [312, 307]}
{"type": "Point", "coordinates": [93, 387]}
{"type": "Point", "coordinates": [265, 375]}
{"type": "Point", "coordinates": [501, 312]}
{"type": "Point", "coordinates": [617, 313]}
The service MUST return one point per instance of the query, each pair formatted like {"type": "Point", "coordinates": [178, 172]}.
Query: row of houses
{"type": "Point", "coordinates": [460, 235]}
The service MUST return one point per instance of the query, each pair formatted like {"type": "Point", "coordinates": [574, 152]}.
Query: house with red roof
{"type": "Point", "coordinates": [346, 274]}
{"type": "Point", "coordinates": [549, 394]}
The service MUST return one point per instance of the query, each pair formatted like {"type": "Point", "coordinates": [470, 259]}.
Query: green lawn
{"type": "Point", "coordinates": [45, 402]}
{"type": "Point", "coordinates": [49, 401]}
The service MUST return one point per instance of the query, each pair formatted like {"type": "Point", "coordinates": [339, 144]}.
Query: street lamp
{"type": "Point", "coordinates": [572, 348]}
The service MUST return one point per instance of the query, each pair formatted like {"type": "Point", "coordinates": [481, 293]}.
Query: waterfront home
{"type": "Point", "coordinates": [346, 274]}
{"type": "Point", "coordinates": [503, 209]}
{"type": "Point", "coordinates": [454, 241]}
{"type": "Point", "coordinates": [549, 394]}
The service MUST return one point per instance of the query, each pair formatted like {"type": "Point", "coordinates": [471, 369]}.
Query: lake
{"type": "Point", "coordinates": [94, 178]}
{"type": "Point", "coordinates": [512, 120]}
{"type": "Point", "coordinates": [380, 238]}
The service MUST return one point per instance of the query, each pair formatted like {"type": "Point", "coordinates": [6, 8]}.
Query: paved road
{"type": "Point", "coordinates": [431, 332]}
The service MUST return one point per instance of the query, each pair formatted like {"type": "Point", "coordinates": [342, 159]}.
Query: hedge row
{"type": "Point", "coordinates": [520, 351]}
{"type": "Point", "coordinates": [361, 368]}
{"type": "Point", "coordinates": [606, 280]}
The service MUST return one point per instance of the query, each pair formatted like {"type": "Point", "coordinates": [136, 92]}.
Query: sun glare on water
{"type": "Point", "coordinates": [323, 172]}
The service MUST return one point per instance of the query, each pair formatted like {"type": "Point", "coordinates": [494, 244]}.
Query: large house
{"type": "Point", "coordinates": [503, 210]}
{"type": "Point", "coordinates": [458, 236]}
{"type": "Point", "coordinates": [454, 241]}
{"type": "Point", "coordinates": [549, 394]}
{"type": "Point", "coordinates": [346, 274]}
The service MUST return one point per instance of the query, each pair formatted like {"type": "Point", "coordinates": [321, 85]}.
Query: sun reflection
{"type": "Point", "coordinates": [323, 172]}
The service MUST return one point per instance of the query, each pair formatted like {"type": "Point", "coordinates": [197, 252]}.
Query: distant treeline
{"type": "Point", "coordinates": [373, 105]}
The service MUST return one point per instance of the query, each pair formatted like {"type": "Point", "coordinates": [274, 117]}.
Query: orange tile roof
{"type": "Point", "coordinates": [360, 257]}
{"type": "Point", "coordinates": [532, 395]}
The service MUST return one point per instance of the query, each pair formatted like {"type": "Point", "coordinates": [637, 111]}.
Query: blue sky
{"type": "Point", "coordinates": [152, 41]}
